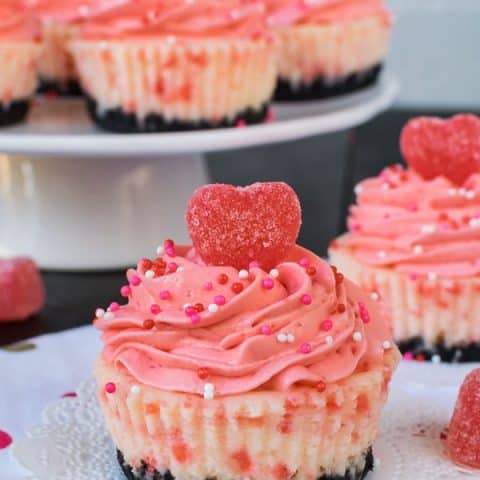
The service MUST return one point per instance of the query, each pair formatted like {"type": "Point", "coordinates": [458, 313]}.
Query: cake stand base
{"type": "Point", "coordinates": [85, 213]}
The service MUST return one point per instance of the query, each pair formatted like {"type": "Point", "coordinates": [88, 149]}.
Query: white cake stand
{"type": "Point", "coordinates": [75, 198]}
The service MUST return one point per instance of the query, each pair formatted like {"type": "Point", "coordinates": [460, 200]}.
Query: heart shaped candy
{"type": "Point", "coordinates": [434, 147]}
{"type": "Point", "coordinates": [234, 226]}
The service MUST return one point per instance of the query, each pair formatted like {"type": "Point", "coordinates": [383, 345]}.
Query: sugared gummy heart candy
{"type": "Point", "coordinates": [463, 441]}
{"type": "Point", "coordinates": [434, 147]}
{"type": "Point", "coordinates": [237, 225]}
{"type": "Point", "coordinates": [21, 289]}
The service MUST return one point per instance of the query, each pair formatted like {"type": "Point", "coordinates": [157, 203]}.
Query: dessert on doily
{"type": "Point", "coordinates": [155, 65]}
{"type": "Point", "coordinates": [245, 355]}
{"type": "Point", "coordinates": [20, 48]}
{"type": "Point", "coordinates": [414, 240]}
{"type": "Point", "coordinates": [328, 47]}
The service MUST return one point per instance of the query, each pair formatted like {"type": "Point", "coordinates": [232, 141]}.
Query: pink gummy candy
{"type": "Point", "coordinates": [21, 289]}
{"type": "Point", "coordinates": [463, 441]}
{"type": "Point", "coordinates": [235, 226]}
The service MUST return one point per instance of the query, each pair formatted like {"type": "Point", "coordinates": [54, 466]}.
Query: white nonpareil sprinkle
{"type": "Point", "coordinates": [417, 249]}
{"type": "Point", "coordinates": [329, 340]}
{"type": "Point", "coordinates": [432, 276]}
{"type": "Point", "coordinates": [429, 229]}
{"type": "Point", "coordinates": [187, 305]}
{"type": "Point", "coordinates": [274, 273]}
{"type": "Point", "coordinates": [160, 250]}
{"type": "Point", "coordinates": [357, 337]}
{"type": "Point", "coordinates": [290, 338]}
{"type": "Point", "coordinates": [374, 296]}
{"type": "Point", "coordinates": [180, 269]}
{"type": "Point", "coordinates": [109, 316]}
{"type": "Point", "coordinates": [387, 345]}
{"type": "Point", "coordinates": [213, 308]}
{"type": "Point", "coordinates": [282, 338]}
{"type": "Point", "coordinates": [135, 390]}
{"type": "Point", "coordinates": [358, 189]}
{"type": "Point", "coordinates": [149, 274]}
{"type": "Point", "coordinates": [474, 222]}
{"type": "Point", "coordinates": [381, 254]}
{"type": "Point", "coordinates": [470, 194]}
{"type": "Point", "coordinates": [243, 274]}
{"type": "Point", "coordinates": [436, 359]}
{"type": "Point", "coordinates": [99, 312]}
{"type": "Point", "coordinates": [208, 391]}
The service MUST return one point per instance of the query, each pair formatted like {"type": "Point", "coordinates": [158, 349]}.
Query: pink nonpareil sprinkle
{"type": "Point", "coordinates": [306, 299]}
{"type": "Point", "coordinates": [305, 348]}
{"type": "Point", "coordinates": [267, 283]}
{"type": "Point", "coordinates": [125, 291]}
{"type": "Point", "coordinates": [219, 300]}
{"type": "Point", "coordinates": [266, 330]}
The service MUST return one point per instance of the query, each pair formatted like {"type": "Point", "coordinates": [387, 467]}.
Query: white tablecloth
{"type": "Point", "coordinates": [30, 380]}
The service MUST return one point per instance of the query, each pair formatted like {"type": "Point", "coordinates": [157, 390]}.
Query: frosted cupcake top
{"type": "Point", "coordinates": [199, 328]}
{"type": "Point", "coordinates": [17, 24]}
{"type": "Point", "coordinates": [71, 11]}
{"type": "Point", "coordinates": [118, 19]}
{"type": "Point", "coordinates": [424, 219]}
{"type": "Point", "coordinates": [287, 12]}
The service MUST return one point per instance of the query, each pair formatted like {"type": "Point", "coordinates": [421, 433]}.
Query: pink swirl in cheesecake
{"type": "Point", "coordinates": [17, 23]}
{"type": "Point", "coordinates": [303, 326]}
{"type": "Point", "coordinates": [415, 225]}
{"type": "Point", "coordinates": [72, 11]}
{"type": "Point", "coordinates": [182, 18]}
{"type": "Point", "coordinates": [287, 12]}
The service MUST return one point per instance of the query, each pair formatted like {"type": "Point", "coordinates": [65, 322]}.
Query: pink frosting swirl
{"type": "Point", "coordinates": [301, 326]}
{"type": "Point", "coordinates": [287, 12]}
{"type": "Point", "coordinates": [416, 225]}
{"type": "Point", "coordinates": [117, 19]}
{"type": "Point", "coordinates": [72, 11]}
{"type": "Point", "coordinates": [17, 23]}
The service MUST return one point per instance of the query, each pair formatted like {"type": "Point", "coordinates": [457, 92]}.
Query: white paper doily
{"type": "Point", "coordinates": [73, 444]}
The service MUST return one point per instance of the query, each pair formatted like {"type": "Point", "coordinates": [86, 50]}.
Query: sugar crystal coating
{"type": "Point", "coordinates": [463, 441]}
{"type": "Point", "coordinates": [21, 289]}
{"type": "Point", "coordinates": [434, 147]}
{"type": "Point", "coordinates": [235, 226]}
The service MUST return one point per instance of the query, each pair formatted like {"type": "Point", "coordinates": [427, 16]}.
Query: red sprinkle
{"type": "Point", "coordinates": [321, 387]}
{"type": "Point", "coordinates": [311, 271]}
{"type": "Point", "coordinates": [145, 264]}
{"type": "Point", "coordinates": [341, 308]}
{"type": "Point", "coordinates": [190, 310]}
{"type": "Point", "coordinates": [203, 373]}
{"type": "Point", "coordinates": [339, 277]}
{"type": "Point", "coordinates": [148, 324]}
{"type": "Point", "coordinates": [237, 287]}
{"type": "Point", "coordinates": [305, 348]}
{"type": "Point", "coordinates": [222, 279]}
{"type": "Point", "coordinates": [199, 307]}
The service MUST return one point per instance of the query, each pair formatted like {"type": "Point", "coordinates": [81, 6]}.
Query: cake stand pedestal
{"type": "Point", "coordinates": [75, 198]}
